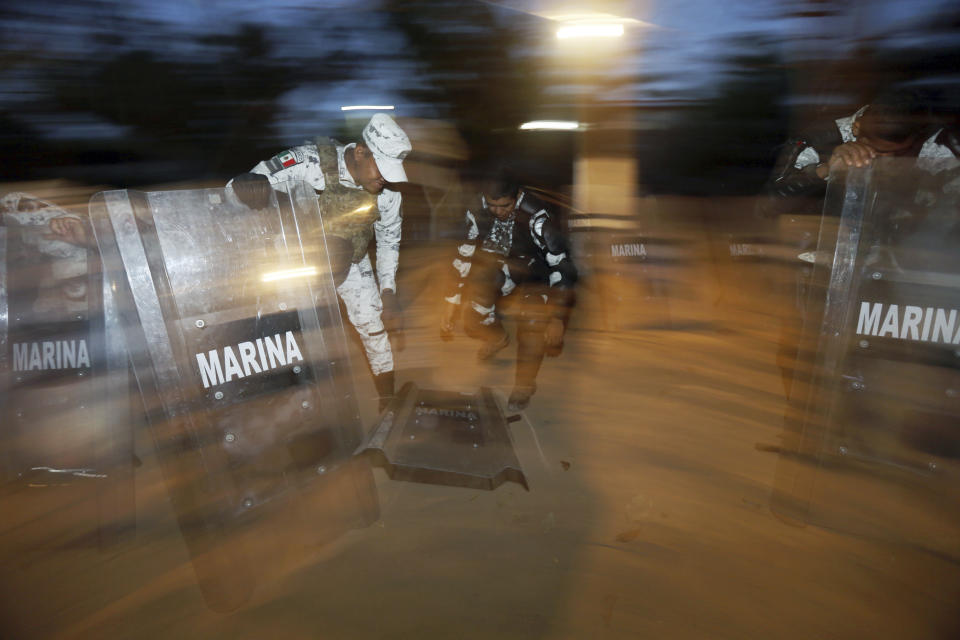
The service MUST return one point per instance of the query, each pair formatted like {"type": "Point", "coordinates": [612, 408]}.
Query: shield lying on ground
{"type": "Point", "coordinates": [233, 327]}
{"type": "Point", "coordinates": [445, 437]}
{"type": "Point", "coordinates": [66, 432]}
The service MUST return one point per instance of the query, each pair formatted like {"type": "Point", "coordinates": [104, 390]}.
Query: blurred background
{"type": "Point", "coordinates": [659, 440]}
{"type": "Point", "coordinates": [137, 93]}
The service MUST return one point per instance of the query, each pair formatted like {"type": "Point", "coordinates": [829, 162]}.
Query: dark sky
{"type": "Point", "coordinates": [223, 81]}
{"type": "Point", "coordinates": [685, 48]}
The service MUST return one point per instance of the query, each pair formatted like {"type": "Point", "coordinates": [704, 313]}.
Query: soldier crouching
{"type": "Point", "coordinates": [513, 247]}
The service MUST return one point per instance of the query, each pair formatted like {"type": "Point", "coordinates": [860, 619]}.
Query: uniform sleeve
{"type": "Point", "coordinates": [562, 274]}
{"type": "Point", "coordinates": [807, 157]}
{"type": "Point", "coordinates": [297, 163]}
{"type": "Point", "coordinates": [798, 180]}
{"type": "Point", "coordinates": [387, 230]}
{"type": "Point", "coordinates": [464, 259]}
{"type": "Point", "coordinates": [795, 174]}
{"type": "Point", "coordinates": [34, 213]}
{"type": "Point", "coordinates": [23, 210]}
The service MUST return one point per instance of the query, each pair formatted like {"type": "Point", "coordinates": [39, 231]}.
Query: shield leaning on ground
{"type": "Point", "coordinates": [234, 330]}
{"type": "Point", "coordinates": [445, 437]}
{"type": "Point", "coordinates": [873, 444]}
{"type": "Point", "coordinates": [66, 419]}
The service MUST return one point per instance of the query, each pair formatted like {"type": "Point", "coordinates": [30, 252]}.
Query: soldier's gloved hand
{"type": "Point", "coordinates": [393, 318]}
{"type": "Point", "coordinates": [252, 189]}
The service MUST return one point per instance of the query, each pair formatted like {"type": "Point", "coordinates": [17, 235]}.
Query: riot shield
{"type": "Point", "coordinates": [66, 434]}
{"type": "Point", "coordinates": [873, 435]}
{"type": "Point", "coordinates": [445, 437]}
{"type": "Point", "coordinates": [768, 261]}
{"type": "Point", "coordinates": [642, 266]}
{"type": "Point", "coordinates": [233, 326]}
{"type": "Point", "coordinates": [640, 276]}
{"type": "Point", "coordinates": [775, 259]}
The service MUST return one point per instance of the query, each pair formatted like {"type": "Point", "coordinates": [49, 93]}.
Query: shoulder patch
{"type": "Point", "coordinates": [285, 160]}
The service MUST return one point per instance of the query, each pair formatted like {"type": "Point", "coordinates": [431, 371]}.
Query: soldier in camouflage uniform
{"type": "Point", "coordinates": [350, 182]}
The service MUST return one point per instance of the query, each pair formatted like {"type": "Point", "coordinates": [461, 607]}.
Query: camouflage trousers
{"type": "Point", "coordinates": [361, 297]}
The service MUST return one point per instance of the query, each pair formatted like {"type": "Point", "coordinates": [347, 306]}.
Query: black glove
{"type": "Point", "coordinates": [392, 317]}
{"type": "Point", "coordinates": [253, 190]}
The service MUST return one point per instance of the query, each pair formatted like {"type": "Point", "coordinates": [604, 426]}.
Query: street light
{"type": "Point", "coordinates": [368, 107]}
{"type": "Point", "coordinates": [590, 30]}
{"type": "Point", "coordinates": [550, 125]}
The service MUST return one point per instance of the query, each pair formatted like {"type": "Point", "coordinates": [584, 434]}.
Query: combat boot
{"type": "Point", "coordinates": [520, 397]}
{"type": "Point", "coordinates": [384, 384]}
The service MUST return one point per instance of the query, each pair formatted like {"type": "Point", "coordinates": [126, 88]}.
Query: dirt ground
{"type": "Point", "coordinates": [650, 453]}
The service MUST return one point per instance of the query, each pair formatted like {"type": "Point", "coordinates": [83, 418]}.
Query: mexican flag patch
{"type": "Point", "coordinates": [284, 160]}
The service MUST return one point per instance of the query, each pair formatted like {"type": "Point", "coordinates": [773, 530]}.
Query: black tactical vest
{"type": "Point", "coordinates": [347, 213]}
{"type": "Point", "coordinates": [522, 244]}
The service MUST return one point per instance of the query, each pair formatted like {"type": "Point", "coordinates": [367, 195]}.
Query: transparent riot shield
{"type": "Point", "coordinates": [234, 330]}
{"type": "Point", "coordinates": [641, 279]}
{"type": "Point", "coordinates": [66, 429]}
{"type": "Point", "coordinates": [637, 271]}
{"type": "Point", "coordinates": [873, 436]}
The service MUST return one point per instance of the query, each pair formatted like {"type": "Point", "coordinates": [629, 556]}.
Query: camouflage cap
{"type": "Point", "coordinates": [389, 145]}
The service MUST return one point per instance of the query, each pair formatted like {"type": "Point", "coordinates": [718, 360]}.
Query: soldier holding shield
{"type": "Point", "coordinates": [351, 182]}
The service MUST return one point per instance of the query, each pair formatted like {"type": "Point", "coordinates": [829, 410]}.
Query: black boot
{"type": "Point", "coordinates": [520, 397]}
{"type": "Point", "coordinates": [384, 384]}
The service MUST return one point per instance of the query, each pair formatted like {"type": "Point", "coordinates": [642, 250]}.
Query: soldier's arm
{"type": "Point", "coordinates": [801, 168]}
{"type": "Point", "coordinates": [298, 163]}
{"type": "Point", "coordinates": [387, 230]}
{"type": "Point", "coordinates": [562, 273]}
{"type": "Point", "coordinates": [23, 210]}
{"type": "Point", "coordinates": [464, 258]}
